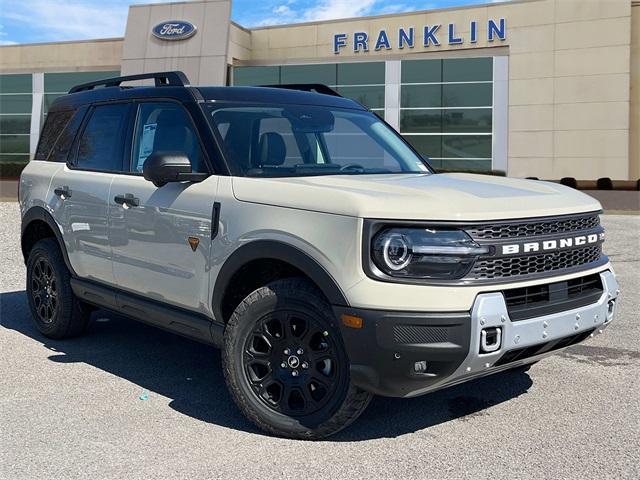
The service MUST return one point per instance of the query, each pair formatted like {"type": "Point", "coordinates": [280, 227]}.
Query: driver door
{"type": "Point", "coordinates": [161, 237]}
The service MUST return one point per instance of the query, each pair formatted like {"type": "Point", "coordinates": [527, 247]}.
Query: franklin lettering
{"type": "Point", "coordinates": [433, 36]}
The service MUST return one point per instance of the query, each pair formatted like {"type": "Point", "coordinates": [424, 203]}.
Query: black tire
{"type": "Point", "coordinates": [56, 311]}
{"type": "Point", "coordinates": [320, 399]}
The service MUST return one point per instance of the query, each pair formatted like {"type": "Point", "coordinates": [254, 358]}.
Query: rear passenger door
{"type": "Point", "coordinates": [81, 189]}
{"type": "Point", "coordinates": [161, 237]}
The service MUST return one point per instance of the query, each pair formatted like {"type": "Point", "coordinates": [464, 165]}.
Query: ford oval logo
{"type": "Point", "coordinates": [174, 30]}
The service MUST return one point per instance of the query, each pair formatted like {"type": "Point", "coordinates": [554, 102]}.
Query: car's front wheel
{"type": "Point", "coordinates": [285, 363]}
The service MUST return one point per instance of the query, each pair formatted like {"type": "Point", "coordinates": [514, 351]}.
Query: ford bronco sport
{"type": "Point", "coordinates": [297, 231]}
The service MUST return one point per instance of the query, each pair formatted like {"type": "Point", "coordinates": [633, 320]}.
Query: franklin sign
{"type": "Point", "coordinates": [426, 37]}
{"type": "Point", "coordinates": [174, 30]}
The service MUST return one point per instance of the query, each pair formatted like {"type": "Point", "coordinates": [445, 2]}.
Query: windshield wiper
{"type": "Point", "coordinates": [352, 168]}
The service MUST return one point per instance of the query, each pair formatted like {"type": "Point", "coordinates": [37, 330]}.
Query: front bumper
{"type": "Point", "coordinates": [405, 354]}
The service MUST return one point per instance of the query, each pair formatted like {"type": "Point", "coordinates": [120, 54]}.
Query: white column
{"type": "Point", "coordinates": [501, 113]}
{"type": "Point", "coordinates": [37, 102]}
{"type": "Point", "coordinates": [392, 81]}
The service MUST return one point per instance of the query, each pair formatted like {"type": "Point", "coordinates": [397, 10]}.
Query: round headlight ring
{"type": "Point", "coordinates": [396, 251]}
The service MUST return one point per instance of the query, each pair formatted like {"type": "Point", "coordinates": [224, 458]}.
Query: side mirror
{"type": "Point", "coordinates": [165, 167]}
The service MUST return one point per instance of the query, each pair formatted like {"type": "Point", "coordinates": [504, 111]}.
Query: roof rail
{"type": "Point", "coordinates": [174, 79]}
{"type": "Point", "coordinates": [308, 87]}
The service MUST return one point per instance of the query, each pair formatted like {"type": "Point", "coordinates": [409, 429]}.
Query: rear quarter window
{"type": "Point", "coordinates": [54, 127]}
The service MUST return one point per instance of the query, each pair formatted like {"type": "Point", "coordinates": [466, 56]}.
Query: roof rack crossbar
{"type": "Point", "coordinates": [308, 87]}
{"type": "Point", "coordinates": [174, 79]}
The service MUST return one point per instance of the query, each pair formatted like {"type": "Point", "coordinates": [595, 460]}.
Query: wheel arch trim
{"type": "Point", "coordinates": [38, 213]}
{"type": "Point", "coordinates": [275, 250]}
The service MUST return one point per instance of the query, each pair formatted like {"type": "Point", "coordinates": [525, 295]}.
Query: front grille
{"type": "Point", "coordinates": [526, 352]}
{"type": "Point", "coordinates": [534, 228]}
{"type": "Point", "coordinates": [420, 334]}
{"type": "Point", "coordinates": [539, 300]}
{"type": "Point", "coordinates": [504, 267]}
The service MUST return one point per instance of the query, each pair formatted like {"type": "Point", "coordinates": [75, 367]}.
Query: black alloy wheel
{"type": "Point", "coordinates": [291, 363]}
{"type": "Point", "coordinates": [286, 365]}
{"type": "Point", "coordinates": [44, 290]}
{"type": "Point", "coordinates": [56, 311]}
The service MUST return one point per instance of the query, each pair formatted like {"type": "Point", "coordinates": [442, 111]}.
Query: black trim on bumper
{"type": "Point", "coordinates": [383, 353]}
{"type": "Point", "coordinates": [548, 298]}
{"type": "Point", "coordinates": [539, 349]}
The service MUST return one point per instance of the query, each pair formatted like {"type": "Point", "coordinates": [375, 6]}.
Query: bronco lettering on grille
{"type": "Point", "coordinates": [550, 245]}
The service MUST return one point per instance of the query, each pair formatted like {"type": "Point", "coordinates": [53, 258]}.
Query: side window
{"type": "Point", "coordinates": [60, 152]}
{"type": "Point", "coordinates": [54, 126]}
{"type": "Point", "coordinates": [102, 141]}
{"type": "Point", "coordinates": [165, 127]}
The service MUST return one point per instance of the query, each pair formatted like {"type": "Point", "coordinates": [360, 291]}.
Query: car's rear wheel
{"type": "Point", "coordinates": [56, 311]}
{"type": "Point", "coordinates": [285, 363]}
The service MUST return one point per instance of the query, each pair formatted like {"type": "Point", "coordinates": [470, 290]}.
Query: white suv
{"type": "Point", "coordinates": [301, 234]}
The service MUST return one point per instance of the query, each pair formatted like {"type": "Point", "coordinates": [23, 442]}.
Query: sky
{"type": "Point", "coordinates": [31, 21]}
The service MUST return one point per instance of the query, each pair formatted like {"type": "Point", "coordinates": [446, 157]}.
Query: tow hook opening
{"type": "Point", "coordinates": [490, 339]}
{"type": "Point", "coordinates": [611, 309]}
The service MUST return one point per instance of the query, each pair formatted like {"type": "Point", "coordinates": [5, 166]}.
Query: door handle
{"type": "Point", "coordinates": [63, 192]}
{"type": "Point", "coordinates": [127, 200]}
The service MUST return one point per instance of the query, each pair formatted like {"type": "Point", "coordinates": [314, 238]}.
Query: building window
{"type": "Point", "coordinates": [15, 117]}
{"type": "Point", "coordinates": [446, 111]}
{"type": "Point", "coordinates": [56, 84]}
{"type": "Point", "coordinates": [362, 81]}
{"type": "Point", "coordinates": [256, 76]}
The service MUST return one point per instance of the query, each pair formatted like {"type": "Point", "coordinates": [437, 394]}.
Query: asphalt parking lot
{"type": "Point", "coordinates": [130, 401]}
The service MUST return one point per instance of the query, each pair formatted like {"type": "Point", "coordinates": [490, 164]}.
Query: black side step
{"type": "Point", "coordinates": [183, 322]}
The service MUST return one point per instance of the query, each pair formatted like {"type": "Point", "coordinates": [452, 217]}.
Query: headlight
{"type": "Point", "coordinates": [424, 253]}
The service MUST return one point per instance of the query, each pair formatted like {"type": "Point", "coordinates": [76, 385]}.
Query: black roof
{"type": "Point", "coordinates": [174, 85]}
{"type": "Point", "coordinates": [275, 95]}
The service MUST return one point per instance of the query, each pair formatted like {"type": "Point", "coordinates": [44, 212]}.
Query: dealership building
{"type": "Point", "coordinates": [543, 88]}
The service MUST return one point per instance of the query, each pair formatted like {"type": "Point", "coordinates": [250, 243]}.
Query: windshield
{"type": "Point", "coordinates": [305, 140]}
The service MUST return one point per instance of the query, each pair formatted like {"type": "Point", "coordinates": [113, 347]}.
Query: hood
{"type": "Point", "coordinates": [453, 196]}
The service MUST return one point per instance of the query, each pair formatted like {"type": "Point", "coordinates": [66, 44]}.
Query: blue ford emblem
{"type": "Point", "coordinates": [174, 30]}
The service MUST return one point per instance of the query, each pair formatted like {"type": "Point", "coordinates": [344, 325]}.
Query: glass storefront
{"type": "Point", "coordinates": [363, 81]}
{"type": "Point", "coordinates": [446, 105]}
{"type": "Point", "coordinates": [446, 111]}
{"type": "Point", "coordinates": [15, 117]}
{"type": "Point", "coordinates": [16, 107]}
{"type": "Point", "coordinates": [56, 84]}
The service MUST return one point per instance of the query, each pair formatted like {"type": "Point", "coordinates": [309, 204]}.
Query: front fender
{"type": "Point", "coordinates": [274, 250]}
